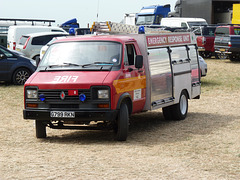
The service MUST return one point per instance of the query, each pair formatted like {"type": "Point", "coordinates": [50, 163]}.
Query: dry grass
{"type": "Point", "coordinates": [204, 146]}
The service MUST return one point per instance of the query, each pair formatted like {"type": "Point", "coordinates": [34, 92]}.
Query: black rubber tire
{"type": "Point", "coordinates": [221, 56]}
{"type": "Point", "coordinates": [180, 110]}
{"type": "Point", "coordinates": [167, 113]}
{"type": "Point", "coordinates": [205, 54]}
{"type": "Point", "coordinates": [122, 123]}
{"type": "Point", "coordinates": [234, 57]}
{"type": "Point", "coordinates": [20, 76]}
{"type": "Point", "coordinates": [40, 129]}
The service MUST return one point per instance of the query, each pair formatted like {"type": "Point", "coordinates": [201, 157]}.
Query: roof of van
{"type": "Point", "coordinates": [30, 26]}
{"type": "Point", "coordinates": [45, 33]}
{"type": "Point", "coordinates": [185, 19]}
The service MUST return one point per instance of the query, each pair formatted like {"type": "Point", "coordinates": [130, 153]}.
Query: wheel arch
{"type": "Point", "coordinates": [125, 98]}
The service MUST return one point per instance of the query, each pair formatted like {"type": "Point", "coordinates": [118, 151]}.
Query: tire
{"type": "Point", "coordinates": [167, 113]}
{"type": "Point", "coordinates": [180, 110]}
{"type": "Point", "coordinates": [40, 129]}
{"type": "Point", "coordinates": [234, 57]}
{"type": "Point", "coordinates": [36, 58]}
{"type": "Point", "coordinates": [221, 56]}
{"type": "Point", "coordinates": [205, 54]}
{"type": "Point", "coordinates": [122, 123]}
{"type": "Point", "coordinates": [20, 76]}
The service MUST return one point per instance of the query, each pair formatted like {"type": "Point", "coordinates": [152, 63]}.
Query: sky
{"type": "Point", "coordinates": [84, 11]}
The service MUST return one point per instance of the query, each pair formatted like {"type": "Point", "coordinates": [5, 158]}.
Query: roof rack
{"type": "Point", "coordinates": [29, 20]}
{"type": "Point", "coordinates": [116, 28]}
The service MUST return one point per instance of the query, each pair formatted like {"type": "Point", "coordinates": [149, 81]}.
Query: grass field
{"type": "Point", "coordinates": [204, 146]}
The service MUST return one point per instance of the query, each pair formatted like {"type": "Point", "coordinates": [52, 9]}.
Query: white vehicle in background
{"type": "Point", "coordinates": [203, 66]}
{"type": "Point", "coordinates": [183, 22]}
{"type": "Point", "coordinates": [31, 44]}
{"type": "Point", "coordinates": [15, 33]}
{"type": "Point", "coordinates": [44, 48]}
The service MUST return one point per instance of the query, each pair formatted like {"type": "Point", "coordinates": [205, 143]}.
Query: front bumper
{"type": "Point", "coordinates": [81, 116]}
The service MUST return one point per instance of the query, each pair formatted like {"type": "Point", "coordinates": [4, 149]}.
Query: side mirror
{"type": "Point", "coordinates": [2, 56]}
{"type": "Point", "coordinates": [139, 61]}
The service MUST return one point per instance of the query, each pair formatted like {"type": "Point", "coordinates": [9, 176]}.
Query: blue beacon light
{"type": "Point", "coordinates": [42, 97]}
{"type": "Point", "coordinates": [82, 97]}
{"type": "Point", "coordinates": [141, 30]}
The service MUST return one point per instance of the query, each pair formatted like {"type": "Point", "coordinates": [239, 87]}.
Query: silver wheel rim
{"type": "Point", "coordinates": [183, 104]}
{"type": "Point", "coordinates": [22, 76]}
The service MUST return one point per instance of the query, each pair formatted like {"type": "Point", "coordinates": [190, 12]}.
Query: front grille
{"type": "Point", "coordinates": [65, 106]}
{"type": "Point", "coordinates": [54, 95]}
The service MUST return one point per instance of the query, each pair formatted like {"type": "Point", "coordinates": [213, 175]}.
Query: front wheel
{"type": "Point", "coordinates": [122, 123]}
{"type": "Point", "coordinates": [20, 76]}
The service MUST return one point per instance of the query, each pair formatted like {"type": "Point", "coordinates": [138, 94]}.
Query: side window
{"type": "Point", "coordinates": [6, 53]}
{"type": "Point", "coordinates": [184, 25]}
{"type": "Point", "coordinates": [222, 31]}
{"type": "Point", "coordinates": [158, 19]}
{"type": "Point", "coordinates": [129, 55]}
{"type": "Point", "coordinates": [179, 54]}
{"type": "Point", "coordinates": [42, 40]}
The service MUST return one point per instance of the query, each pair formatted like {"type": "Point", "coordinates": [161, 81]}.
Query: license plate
{"type": "Point", "coordinates": [222, 49]}
{"type": "Point", "coordinates": [62, 114]}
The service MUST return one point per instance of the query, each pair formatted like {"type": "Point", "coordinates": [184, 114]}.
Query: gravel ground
{"type": "Point", "coordinates": [204, 146]}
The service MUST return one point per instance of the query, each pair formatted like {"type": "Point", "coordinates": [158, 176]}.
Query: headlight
{"type": "Point", "coordinates": [103, 94]}
{"type": "Point", "coordinates": [32, 94]}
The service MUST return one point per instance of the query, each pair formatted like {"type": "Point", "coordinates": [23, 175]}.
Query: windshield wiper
{"type": "Point", "coordinates": [63, 65]}
{"type": "Point", "coordinates": [98, 63]}
{"type": "Point", "coordinates": [71, 64]}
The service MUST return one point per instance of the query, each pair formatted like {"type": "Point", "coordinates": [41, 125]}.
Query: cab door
{"type": "Point", "coordinates": [135, 78]}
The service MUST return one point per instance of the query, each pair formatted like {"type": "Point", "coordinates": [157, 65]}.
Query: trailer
{"type": "Point", "coordinates": [214, 11]}
{"type": "Point", "coordinates": [98, 81]}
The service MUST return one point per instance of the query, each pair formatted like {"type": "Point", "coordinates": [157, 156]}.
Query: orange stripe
{"type": "Point", "coordinates": [129, 84]}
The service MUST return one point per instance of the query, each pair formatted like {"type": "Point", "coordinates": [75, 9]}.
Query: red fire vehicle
{"type": "Point", "coordinates": [96, 81]}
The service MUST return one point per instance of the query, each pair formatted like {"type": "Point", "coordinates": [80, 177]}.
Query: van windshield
{"type": "Point", "coordinates": [199, 23]}
{"type": "Point", "coordinates": [82, 54]}
{"type": "Point", "coordinates": [145, 20]}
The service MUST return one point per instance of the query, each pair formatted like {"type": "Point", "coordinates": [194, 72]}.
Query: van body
{"type": "Point", "coordinates": [186, 23]}
{"type": "Point", "coordinates": [15, 32]}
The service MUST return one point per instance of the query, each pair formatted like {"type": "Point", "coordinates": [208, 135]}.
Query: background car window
{"type": "Point", "coordinates": [237, 31]}
{"type": "Point", "coordinates": [41, 40]}
{"type": "Point", "coordinates": [6, 53]}
{"type": "Point", "coordinates": [183, 25]}
{"type": "Point", "coordinates": [23, 40]}
{"type": "Point", "coordinates": [222, 31]}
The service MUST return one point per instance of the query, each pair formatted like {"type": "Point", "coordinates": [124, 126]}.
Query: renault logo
{"type": "Point", "coordinates": [62, 95]}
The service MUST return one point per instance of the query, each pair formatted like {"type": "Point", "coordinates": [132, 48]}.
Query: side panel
{"type": "Point", "coordinates": [181, 71]}
{"type": "Point", "coordinates": [161, 76]}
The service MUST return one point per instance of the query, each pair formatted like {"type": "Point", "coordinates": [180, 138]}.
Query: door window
{"type": "Point", "coordinates": [129, 55]}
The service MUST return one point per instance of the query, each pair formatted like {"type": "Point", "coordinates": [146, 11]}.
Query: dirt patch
{"type": "Point", "coordinates": [204, 146]}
